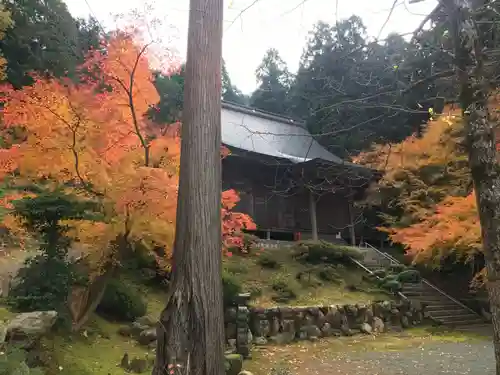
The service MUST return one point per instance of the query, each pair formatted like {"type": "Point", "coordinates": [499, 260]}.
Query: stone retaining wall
{"type": "Point", "coordinates": [286, 324]}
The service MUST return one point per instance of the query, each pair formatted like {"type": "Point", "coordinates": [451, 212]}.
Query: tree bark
{"type": "Point", "coordinates": [313, 217]}
{"type": "Point", "coordinates": [469, 55]}
{"type": "Point", "coordinates": [191, 328]}
{"type": "Point", "coordinates": [352, 227]}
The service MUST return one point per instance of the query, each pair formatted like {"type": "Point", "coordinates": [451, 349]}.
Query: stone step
{"type": "Point", "coordinates": [440, 304]}
{"type": "Point", "coordinates": [437, 308]}
{"type": "Point", "coordinates": [479, 328]}
{"type": "Point", "coordinates": [458, 312]}
{"type": "Point", "coordinates": [458, 318]}
{"type": "Point", "coordinates": [464, 322]}
{"type": "Point", "coordinates": [427, 297]}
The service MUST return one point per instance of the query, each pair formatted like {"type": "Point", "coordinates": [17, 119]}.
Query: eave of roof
{"type": "Point", "coordinates": [272, 135]}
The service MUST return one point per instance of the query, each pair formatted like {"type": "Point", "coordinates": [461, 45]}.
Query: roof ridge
{"type": "Point", "coordinates": [263, 114]}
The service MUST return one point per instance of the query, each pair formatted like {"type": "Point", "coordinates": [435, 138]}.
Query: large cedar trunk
{"type": "Point", "coordinates": [191, 328]}
{"type": "Point", "coordinates": [469, 49]}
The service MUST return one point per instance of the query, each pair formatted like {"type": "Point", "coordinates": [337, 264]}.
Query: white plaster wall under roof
{"type": "Point", "coordinates": [267, 134]}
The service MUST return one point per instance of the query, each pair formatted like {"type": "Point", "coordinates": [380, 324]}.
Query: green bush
{"type": "Point", "coordinates": [397, 268]}
{"type": "Point", "coordinates": [389, 277]}
{"type": "Point", "coordinates": [43, 284]}
{"type": "Point", "coordinates": [392, 286]}
{"type": "Point", "coordinates": [285, 288]}
{"type": "Point", "coordinates": [45, 280]}
{"type": "Point", "coordinates": [231, 287]}
{"type": "Point", "coordinates": [267, 260]}
{"type": "Point", "coordinates": [316, 252]}
{"type": "Point", "coordinates": [380, 273]}
{"type": "Point", "coordinates": [122, 302]}
{"type": "Point", "coordinates": [13, 361]}
{"type": "Point", "coordinates": [240, 268]}
{"type": "Point", "coordinates": [328, 273]}
{"type": "Point", "coordinates": [249, 241]}
{"type": "Point", "coordinates": [255, 291]}
{"type": "Point", "coordinates": [409, 276]}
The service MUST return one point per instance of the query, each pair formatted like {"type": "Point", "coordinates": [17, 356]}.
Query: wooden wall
{"type": "Point", "coordinates": [261, 188]}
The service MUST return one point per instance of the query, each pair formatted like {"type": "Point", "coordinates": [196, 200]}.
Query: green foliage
{"type": "Point", "coordinates": [60, 45]}
{"type": "Point", "coordinates": [409, 276]}
{"type": "Point", "coordinates": [13, 362]}
{"type": "Point", "coordinates": [380, 273]}
{"type": "Point", "coordinates": [274, 83]}
{"type": "Point", "coordinates": [45, 280]}
{"type": "Point", "coordinates": [231, 287]}
{"type": "Point", "coordinates": [284, 286]}
{"type": "Point", "coordinates": [392, 286]}
{"type": "Point", "coordinates": [328, 273]}
{"type": "Point", "coordinates": [240, 268]}
{"type": "Point", "coordinates": [389, 277]}
{"type": "Point", "coordinates": [249, 240]}
{"type": "Point", "coordinates": [267, 260]}
{"type": "Point", "coordinates": [396, 268]}
{"type": "Point", "coordinates": [230, 93]}
{"type": "Point", "coordinates": [255, 291]}
{"type": "Point", "coordinates": [316, 252]}
{"type": "Point", "coordinates": [171, 90]}
{"type": "Point", "coordinates": [43, 284]}
{"type": "Point", "coordinates": [122, 302]}
{"type": "Point", "coordinates": [342, 55]}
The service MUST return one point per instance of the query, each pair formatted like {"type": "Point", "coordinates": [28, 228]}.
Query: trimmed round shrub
{"type": "Point", "coordinates": [231, 287]}
{"type": "Point", "coordinates": [397, 268]}
{"type": "Point", "coordinates": [316, 252]}
{"type": "Point", "coordinates": [392, 286]}
{"type": "Point", "coordinates": [122, 302]}
{"type": "Point", "coordinates": [43, 284]}
{"type": "Point", "coordinates": [284, 287]}
{"type": "Point", "coordinates": [380, 273]}
{"type": "Point", "coordinates": [409, 276]}
{"type": "Point", "coordinates": [266, 260]}
{"type": "Point", "coordinates": [255, 291]}
{"type": "Point", "coordinates": [328, 273]}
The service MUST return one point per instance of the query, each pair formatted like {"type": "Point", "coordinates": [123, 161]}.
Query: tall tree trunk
{"type": "Point", "coordinates": [469, 49]}
{"type": "Point", "coordinates": [191, 328]}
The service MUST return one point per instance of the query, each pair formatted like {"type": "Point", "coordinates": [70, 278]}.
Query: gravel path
{"type": "Point", "coordinates": [433, 359]}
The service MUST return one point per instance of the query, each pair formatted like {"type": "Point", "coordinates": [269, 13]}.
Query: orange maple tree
{"type": "Point", "coordinates": [95, 138]}
{"type": "Point", "coordinates": [233, 223]}
{"type": "Point", "coordinates": [425, 193]}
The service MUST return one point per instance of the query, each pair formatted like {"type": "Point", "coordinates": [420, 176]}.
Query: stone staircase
{"type": "Point", "coordinates": [440, 306]}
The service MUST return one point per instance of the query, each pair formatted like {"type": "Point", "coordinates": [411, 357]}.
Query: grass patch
{"type": "Point", "coordinates": [97, 349]}
{"type": "Point", "coordinates": [337, 284]}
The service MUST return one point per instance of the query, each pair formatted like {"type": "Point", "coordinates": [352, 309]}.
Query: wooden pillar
{"type": "Point", "coordinates": [312, 213]}
{"type": "Point", "coordinates": [352, 232]}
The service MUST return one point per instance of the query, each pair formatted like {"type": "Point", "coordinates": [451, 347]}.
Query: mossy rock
{"type": "Point", "coordinates": [233, 364]}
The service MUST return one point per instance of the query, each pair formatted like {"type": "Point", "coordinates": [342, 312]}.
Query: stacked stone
{"type": "Point", "coordinates": [286, 324]}
{"type": "Point", "coordinates": [243, 332]}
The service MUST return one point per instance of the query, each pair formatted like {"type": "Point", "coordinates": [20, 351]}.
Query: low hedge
{"type": "Point", "coordinates": [316, 252]}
